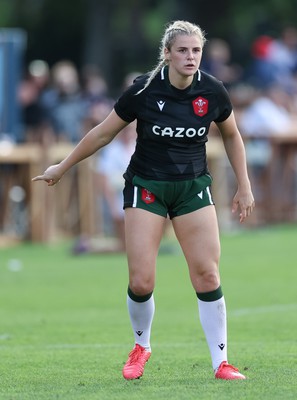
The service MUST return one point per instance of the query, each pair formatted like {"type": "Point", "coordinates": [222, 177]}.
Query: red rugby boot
{"type": "Point", "coordinates": [134, 367]}
{"type": "Point", "coordinates": [227, 371]}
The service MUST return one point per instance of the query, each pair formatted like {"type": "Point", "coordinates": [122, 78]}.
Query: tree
{"type": "Point", "coordinates": [123, 35]}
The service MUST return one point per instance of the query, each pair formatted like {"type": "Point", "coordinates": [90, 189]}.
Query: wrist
{"type": "Point", "coordinates": [244, 186]}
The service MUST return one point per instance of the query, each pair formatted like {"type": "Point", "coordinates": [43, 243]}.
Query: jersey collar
{"type": "Point", "coordinates": [165, 77]}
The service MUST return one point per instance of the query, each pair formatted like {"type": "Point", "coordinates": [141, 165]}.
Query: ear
{"type": "Point", "coordinates": [167, 55]}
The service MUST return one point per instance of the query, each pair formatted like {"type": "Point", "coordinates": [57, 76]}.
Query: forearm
{"type": "Point", "coordinates": [94, 140]}
{"type": "Point", "coordinates": [243, 199]}
{"type": "Point", "coordinates": [235, 150]}
{"type": "Point", "coordinates": [236, 153]}
{"type": "Point", "coordinates": [85, 148]}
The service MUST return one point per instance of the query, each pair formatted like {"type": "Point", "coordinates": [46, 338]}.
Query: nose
{"type": "Point", "coordinates": [190, 55]}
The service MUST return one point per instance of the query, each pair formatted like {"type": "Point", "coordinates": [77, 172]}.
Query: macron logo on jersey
{"type": "Point", "coordinates": [161, 104]}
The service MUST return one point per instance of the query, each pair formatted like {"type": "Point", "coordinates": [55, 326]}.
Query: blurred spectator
{"type": "Point", "coordinates": [65, 103]}
{"type": "Point", "coordinates": [95, 93]}
{"type": "Point", "coordinates": [217, 62]}
{"type": "Point", "coordinates": [93, 83]}
{"type": "Point", "coordinates": [109, 168]}
{"type": "Point", "coordinates": [35, 120]}
{"type": "Point", "coordinates": [269, 114]}
{"type": "Point", "coordinates": [111, 165]}
{"type": "Point", "coordinates": [260, 72]}
{"type": "Point", "coordinates": [274, 60]}
{"type": "Point", "coordinates": [283, 56]}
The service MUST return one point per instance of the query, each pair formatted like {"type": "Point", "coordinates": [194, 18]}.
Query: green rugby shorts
{"type": "Point", "coordinates": [168, 198]}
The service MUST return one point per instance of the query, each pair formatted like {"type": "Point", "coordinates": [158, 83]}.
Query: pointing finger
{"type": "Point", "coordinates": [38, 178]}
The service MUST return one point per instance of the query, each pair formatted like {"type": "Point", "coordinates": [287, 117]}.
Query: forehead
{"type": "Point", "coordinates": [187, 41]}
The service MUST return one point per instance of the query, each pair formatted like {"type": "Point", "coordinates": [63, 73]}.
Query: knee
{"type": "Point", "coordinates": [207, 279]}
{"type": "Point", "coordinates": [211, 278]}
{"type": "Point", "coordinates": [141, 287]}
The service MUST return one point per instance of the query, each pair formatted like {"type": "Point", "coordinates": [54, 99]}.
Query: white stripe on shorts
{"type": "Point", "coordinates": [209, 195]}
{"type": "Point", "coordinates": [135, 197]}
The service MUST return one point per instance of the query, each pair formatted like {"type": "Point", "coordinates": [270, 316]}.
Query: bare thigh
{"type": "Point", "coordinates": [143, 231]}
{"type": "Point", "coordinates": [198, 235]}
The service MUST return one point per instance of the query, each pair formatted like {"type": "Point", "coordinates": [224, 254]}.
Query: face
{"type": "Point", "coordinates": [184, 57]}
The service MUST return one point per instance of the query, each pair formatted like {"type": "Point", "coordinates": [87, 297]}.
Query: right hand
{"type": "Point", "coordinates": [51, 175]}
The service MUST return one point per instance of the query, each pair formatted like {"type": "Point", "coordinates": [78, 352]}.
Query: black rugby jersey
{"type": "Point", "coordinates": [172, 125]}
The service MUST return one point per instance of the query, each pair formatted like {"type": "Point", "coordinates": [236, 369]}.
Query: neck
{"type": "Point", "coordinates": [179, 81]}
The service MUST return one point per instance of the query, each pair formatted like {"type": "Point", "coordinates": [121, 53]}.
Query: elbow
{"type": "Point", "coordinates": [105, 140]}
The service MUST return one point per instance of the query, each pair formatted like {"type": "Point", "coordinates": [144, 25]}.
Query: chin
{"type": "Point", "coordinates": [186, 74]}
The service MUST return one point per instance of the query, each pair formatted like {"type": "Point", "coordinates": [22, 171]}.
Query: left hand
{"type": "Point", "coordinates": [244, 201]}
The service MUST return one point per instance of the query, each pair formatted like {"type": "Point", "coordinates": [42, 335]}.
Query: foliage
{"type": "Point", "coordinates": [106, 31]}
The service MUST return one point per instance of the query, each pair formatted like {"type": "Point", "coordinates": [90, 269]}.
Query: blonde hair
{"type": "Point", "coordinates": [173, 30]}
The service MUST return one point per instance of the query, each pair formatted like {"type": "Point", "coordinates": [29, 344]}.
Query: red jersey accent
{"type": "Point", "coordinates": [147, 196]}
{"type": "Point", "coordinates": [200, 106]}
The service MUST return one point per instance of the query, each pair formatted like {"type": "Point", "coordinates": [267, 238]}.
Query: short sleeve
{"type": "Point", "coordinates": [225, 105]}
{"type": "Point", "coordinates": [128, 104]}
{"type": "Point", "coordinates": [124, 107]}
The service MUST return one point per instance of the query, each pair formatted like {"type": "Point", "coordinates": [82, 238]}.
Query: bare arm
{"type": "Point", "coordinates": [236, 153]}
{"type": "Point", "coordinates": [94, 140]}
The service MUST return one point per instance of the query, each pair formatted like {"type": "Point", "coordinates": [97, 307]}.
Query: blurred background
{"type": "Point", "coordinates": [62, 66]}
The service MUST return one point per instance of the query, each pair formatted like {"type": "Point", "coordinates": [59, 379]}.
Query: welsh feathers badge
{"type": "Point", "coordinates": [147, 196]}
{"type": "Point", "coordinates": [200, 106]}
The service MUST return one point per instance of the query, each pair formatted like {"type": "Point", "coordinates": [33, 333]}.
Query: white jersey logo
{"type": "Point", "coordinates": [161, 104]}
{"type": "Point", "coordinates": [179, 131]}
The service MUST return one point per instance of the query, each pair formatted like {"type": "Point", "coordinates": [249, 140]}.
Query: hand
{"type": "Point", "coordinates": [52, 175]}
{"type": "Point", "coordinates": [245, 202]}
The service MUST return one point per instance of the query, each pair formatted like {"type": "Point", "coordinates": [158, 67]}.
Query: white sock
{"type": "Point", "coordinates": [213, 321]}
{"type": "Point", "coordinates": [141, 317]}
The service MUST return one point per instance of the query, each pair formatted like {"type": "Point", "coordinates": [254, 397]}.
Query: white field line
{"type": "Point", "coordinates": [232, 313]}
{"type": "Point", "coordinates": [262, 310]}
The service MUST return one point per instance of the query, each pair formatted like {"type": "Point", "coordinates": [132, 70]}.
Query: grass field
{"type": "Point", "coordinates": [65, 332]}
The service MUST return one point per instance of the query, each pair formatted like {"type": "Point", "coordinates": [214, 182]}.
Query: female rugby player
{"type": "Point", "coordinates": [174, 106]}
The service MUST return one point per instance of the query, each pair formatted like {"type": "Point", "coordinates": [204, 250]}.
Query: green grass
{"type": "Point", "coordinates": [65, 332]}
